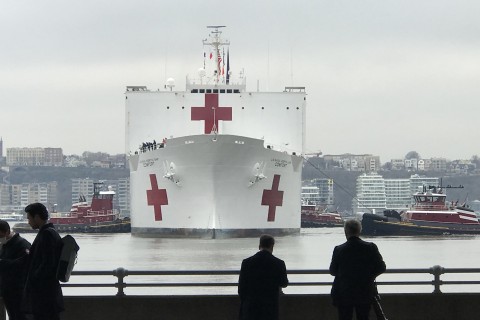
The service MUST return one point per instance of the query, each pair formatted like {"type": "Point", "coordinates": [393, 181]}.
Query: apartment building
{"type": "Point", "coordinates": [371, 195]}
{"type": "Point", "coordinates": [15, 197]}
{"type": "Point", "coordinates": [34, 156]}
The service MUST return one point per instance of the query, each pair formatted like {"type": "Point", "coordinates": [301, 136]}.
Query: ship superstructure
{"type": "Point", "coordinates": [215, 160]}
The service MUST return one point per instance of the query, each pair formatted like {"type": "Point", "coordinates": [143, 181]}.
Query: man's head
{"type": "Point", "coordinates": [4, 229]}
{"type": "Point", "coordinates": [352, 228]}
{"type": "Point", "coordinates": [37, 215]}
{"type": "Point", "coordinates": [266, 242]}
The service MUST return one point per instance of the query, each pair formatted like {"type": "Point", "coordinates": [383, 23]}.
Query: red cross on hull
{"type": "Point", "coordinates": [273, 198]}
{"type": "Point", "coordinates": [211, 113]}
{"type": "Point", "coordinates": [156, 197]}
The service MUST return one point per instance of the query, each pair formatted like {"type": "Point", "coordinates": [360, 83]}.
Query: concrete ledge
{"type": "Point", "coordinates": [461, 306]}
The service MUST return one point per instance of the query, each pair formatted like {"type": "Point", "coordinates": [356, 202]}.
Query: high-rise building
{"type": "Point", "coordinates": [45, 193]}
{"type": "Point", "coordinates": [375, 194]}
{"type": "Point", "coordinates": [123, 196]}
{"type": "Point", "coordinates": [15, 197]}
{"type": "Point", "coordinates": [318, 192]}
{"type": "Point", "coordinates": [398, 194]}
{"type": "Point", "coordinates": [371, 195]}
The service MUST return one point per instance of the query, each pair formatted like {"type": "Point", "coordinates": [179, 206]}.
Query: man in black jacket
{"type": "Point", "coordinates": [13, 270]}
{"type": "Point", "coordinates": [259, 286]}
{"type": "Point", "coordinates": [355, 265]}
{"type": "Point", "coordinates": [43, 295]}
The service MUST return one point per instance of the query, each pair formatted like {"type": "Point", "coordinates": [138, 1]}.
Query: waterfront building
{"type": "Point", "coordinates": [82, 187]}
{"type": "Point", "coordinates": [417, 182]}
{"type": "Point", "coordinates": [397, 193]}
{"type": "Point", "coordinates": [371, 195]}
{"type": "Point", "coordinates": [34, 156]}
{"type": "Point", "coordinates": [44, 192]}
{"type": "Point", "coordinates": [15, 197]}
{"type": "Point", "coordinates": [318, 192]}
{"type": "Point", "coordinates": [375, 194]}
{"type": "Point", "coordinates": [310, 195]}
{"type": "Point", "coordinates": [122, 194]}
{"type": "Point", "coordinates": [4, 197]}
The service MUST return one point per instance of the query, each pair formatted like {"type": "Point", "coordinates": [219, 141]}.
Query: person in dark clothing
{"type": "Point", "coordinates": [13, 270]}
{"type": "Point", "coordinates": [259, 286]}
{"type": "Point", "coordinates": [355, 265]}
{"type": "Point", "coordinates": [43, 295]}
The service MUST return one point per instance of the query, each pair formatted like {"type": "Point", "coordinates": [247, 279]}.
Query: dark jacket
{"type": "Point", "coordinates": [43, 294]}
{"type": "Point", "coordinates": [13, 265]}
{"type": "Point", "coordinates": [261, 277]}
{"type": "Point", "coordinates": [355, 265]}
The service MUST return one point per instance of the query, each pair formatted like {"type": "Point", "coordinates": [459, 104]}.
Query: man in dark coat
{"type": "Point", "coordinates": [13, 270]}
{"type": "Point", "coordinates": [355, 265]}
{"type": "Point", "coordinates": [259, 286]}
{"type": "Point", "coordinates": [43, 295]}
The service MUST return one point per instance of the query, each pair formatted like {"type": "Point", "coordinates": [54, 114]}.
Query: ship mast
{"type": "Point", "coordinates": [215, 40]}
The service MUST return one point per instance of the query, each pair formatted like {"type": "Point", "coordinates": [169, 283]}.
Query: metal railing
{"type": "Point", "coordinates": [203, 278]}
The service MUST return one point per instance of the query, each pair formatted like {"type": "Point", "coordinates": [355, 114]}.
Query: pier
{"type": "Point", "coordinates": [432, 293]}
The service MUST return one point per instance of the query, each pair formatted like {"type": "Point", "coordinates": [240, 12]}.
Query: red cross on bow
{"type": "Point", "coordinates": [156, 197]}
{"type": "Point", "coordinates": [272, 198]}
{"type": "Point", "coordinates": [211, 113]}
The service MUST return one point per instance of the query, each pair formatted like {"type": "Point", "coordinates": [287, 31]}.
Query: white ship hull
{"type": "Point", "coordinates": [215, 186]}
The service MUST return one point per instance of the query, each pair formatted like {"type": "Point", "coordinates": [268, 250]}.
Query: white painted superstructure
{"type": "Point", "coordinates": [215, 160]}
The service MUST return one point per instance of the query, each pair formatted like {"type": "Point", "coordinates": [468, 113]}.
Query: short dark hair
{"type": "Point", "coordinates": [4, 226]}
{"type": "Point", "coordinates": [353, 227]}
{"type": "Point", "coordinates": [266, 241]}
{"type": "Point", "coordinates": [37, 208]}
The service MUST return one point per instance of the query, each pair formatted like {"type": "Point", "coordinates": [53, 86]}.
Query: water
{"type": "Point", "coordinates": [311, 249]}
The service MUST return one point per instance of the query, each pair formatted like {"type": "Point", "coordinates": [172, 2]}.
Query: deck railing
{"type": "Point", "coordinates": [194, 279]}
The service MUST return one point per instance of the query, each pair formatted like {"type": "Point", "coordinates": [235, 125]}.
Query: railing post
{"type": "Point", "coordinates": [120, 273]}
{"type": "Point", "coordinates": [437, 271]}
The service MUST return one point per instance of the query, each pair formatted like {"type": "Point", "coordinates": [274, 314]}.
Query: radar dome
{"type": "Point", "coordinates": [170, 83]}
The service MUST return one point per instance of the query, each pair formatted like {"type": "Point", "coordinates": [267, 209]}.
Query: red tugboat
{"type": "Point", "coordinates": [312, 218]}
{"type": "Point", "coordinates": [430, 215]}
{"type": "Point", "coordinates": [97, 217]}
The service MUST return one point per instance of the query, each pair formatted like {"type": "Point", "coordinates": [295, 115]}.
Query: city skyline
{"type": "Point", "coordinates": [347, 153]}
{"type": "Point", "coordinates": [381, 76]}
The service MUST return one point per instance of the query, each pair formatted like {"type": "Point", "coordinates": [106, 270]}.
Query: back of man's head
{"type": "Point", "coordinates": [352, 228]}
{"type": "Point", "coordinates": [266, 242]}
{"type": "Point", "coordinates": [37, 208]}
{"type": "Point", "coordinates": [4, 227]}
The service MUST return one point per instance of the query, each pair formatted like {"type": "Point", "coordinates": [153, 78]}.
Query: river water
{"type": "Point", "coordinates": [311, 249]}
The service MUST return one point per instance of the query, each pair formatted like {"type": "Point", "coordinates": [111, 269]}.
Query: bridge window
{"type": "Point", "coordinates": [215, 90]}
{"type": "Point", "coordinates": [229, 90]}
{"type": "Point", "coordinates": [202, 90]}
{"type": "Point", "coordinates": [222, 90]}
{"type": "Point", "coordinates": [236, 91]}
{"type": "Point", "coordinates": [194, 91]}
{"type": "Point", "coordinates": [209, 90]}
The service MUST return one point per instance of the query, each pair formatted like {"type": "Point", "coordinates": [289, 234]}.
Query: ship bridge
{"type": "Point", "coordinates": [203, 85]}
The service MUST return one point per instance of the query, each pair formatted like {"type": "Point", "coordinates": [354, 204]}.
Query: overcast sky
{"type": "Point", "coordinates": [382, 77]}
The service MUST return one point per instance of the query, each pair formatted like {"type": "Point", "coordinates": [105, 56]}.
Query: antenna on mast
{"type": "Point", "coordinates": [215, 40]}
